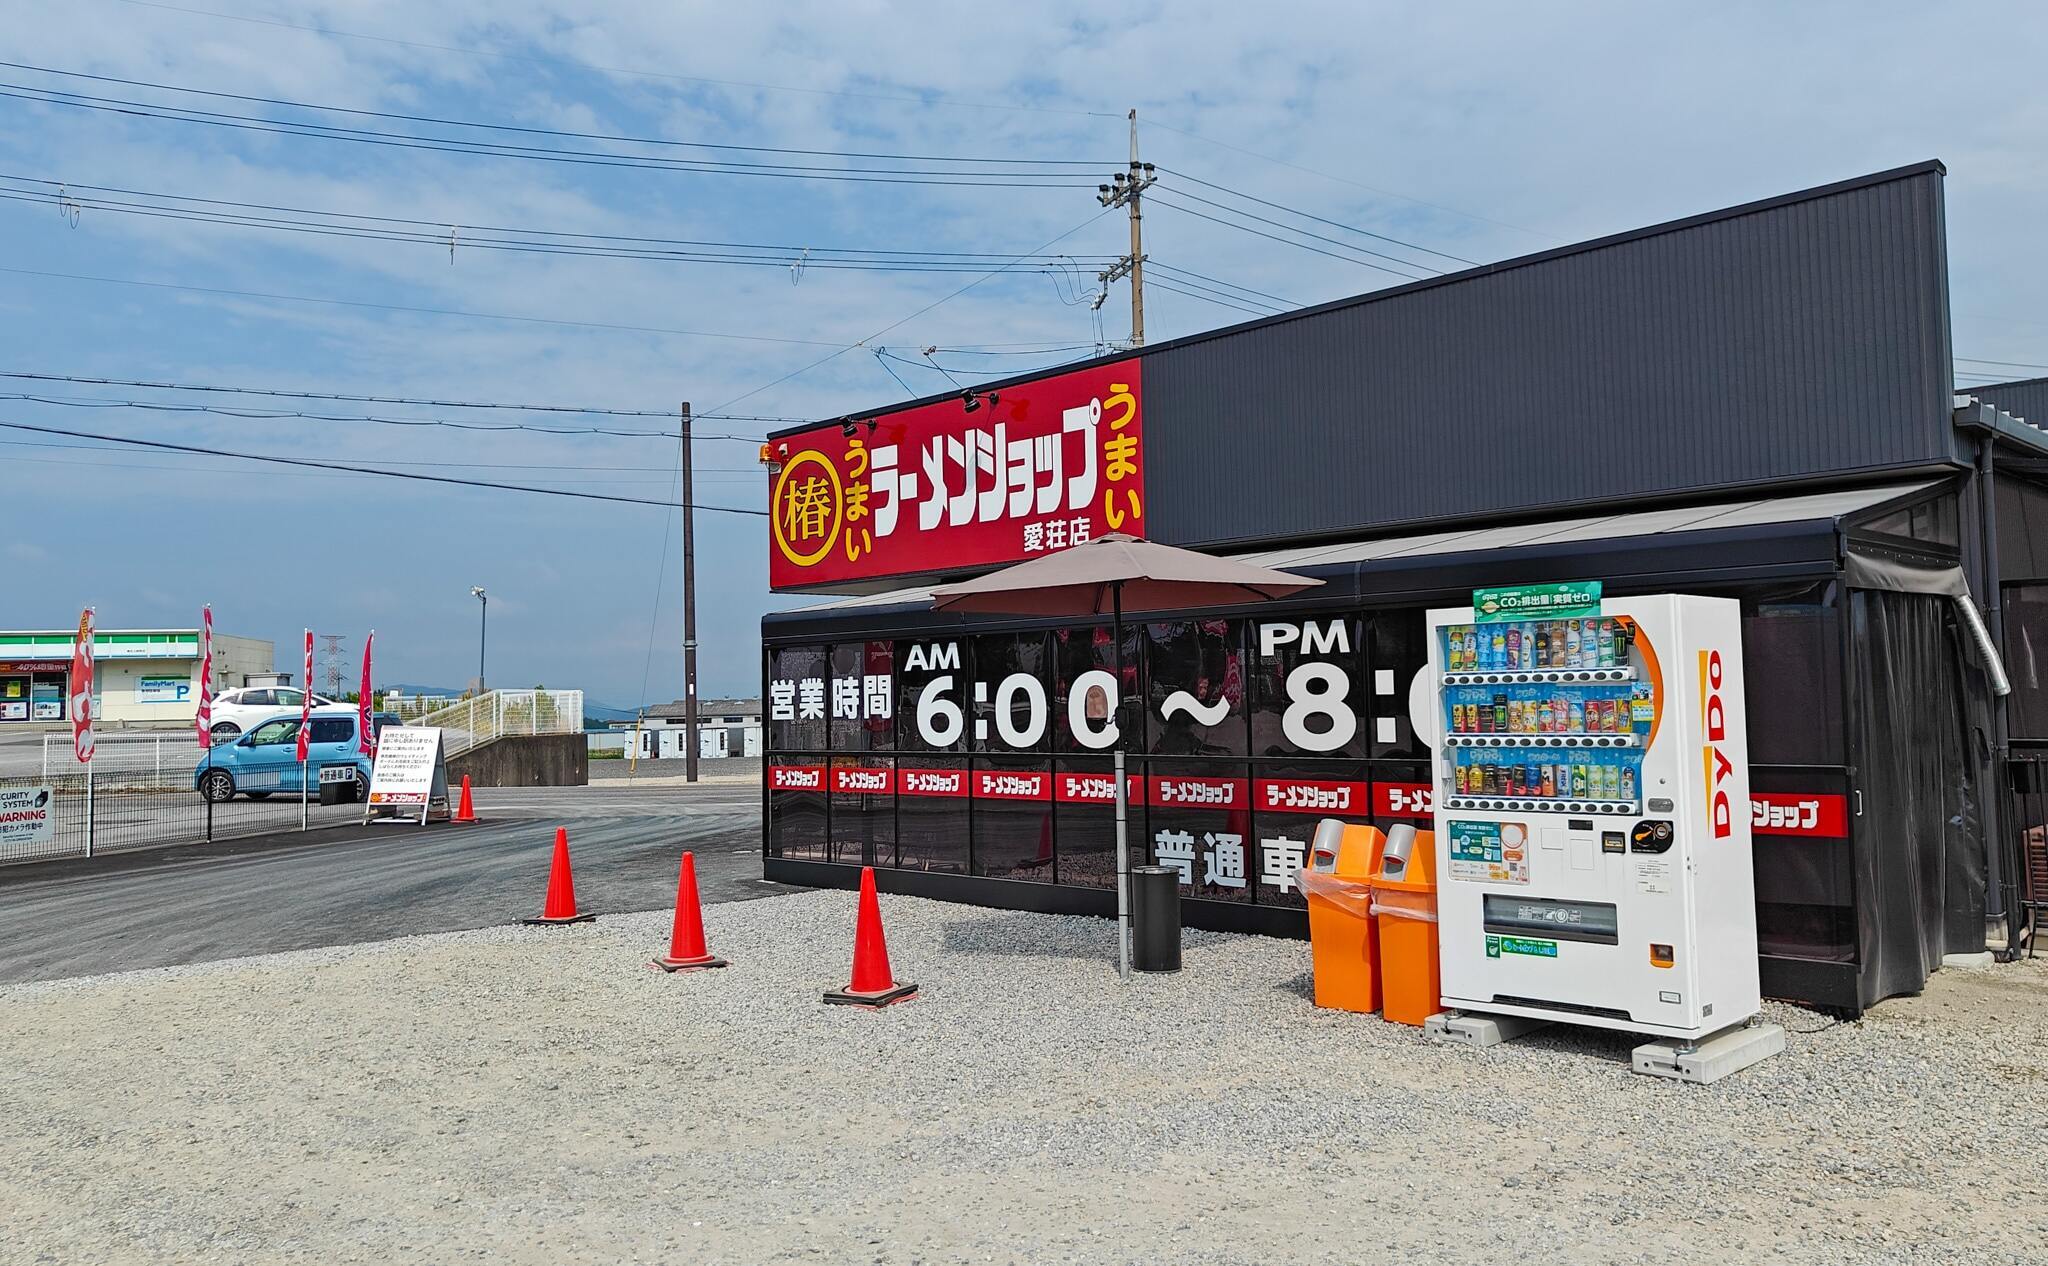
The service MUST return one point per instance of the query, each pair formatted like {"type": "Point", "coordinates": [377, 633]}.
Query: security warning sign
{"type": "Point", "coordinates": [28, 815]}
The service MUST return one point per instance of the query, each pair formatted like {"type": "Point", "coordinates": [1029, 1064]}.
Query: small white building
{"type": "Point", "coordinates": [140, 676]}
{"type": "Point", "coordinates": [727, 727]}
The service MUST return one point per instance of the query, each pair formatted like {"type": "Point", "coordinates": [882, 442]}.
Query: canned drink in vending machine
{"type": "Point", "coordinates": [1514, 646]}
{"type": "Point", "coordinates": [1579, 791]}
{"type": "Point", "coordinates": [1607, 643]}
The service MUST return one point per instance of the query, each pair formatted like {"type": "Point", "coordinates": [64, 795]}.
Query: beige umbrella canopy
{"type": "Point", "coordinates": [1108, 574]}
{"type": "Point", "coordinates": [1114, 572]}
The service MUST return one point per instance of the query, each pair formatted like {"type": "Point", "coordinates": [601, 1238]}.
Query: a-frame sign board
{"type": "Point", "coordinates": [409, 782]}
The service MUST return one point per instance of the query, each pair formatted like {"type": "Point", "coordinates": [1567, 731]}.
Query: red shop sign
{"type": "Point", "coordinates": [932, 782]}
{"type": "Point", "coordinates": [37, 666]}
{"type": "Point", "coordinates": [796, 778]}
{"type": "Point", "coordinates": [1199, 793]}
{"type": "Point", "coordinates": [1302, 795]}
{"type": "Point", "coordinates": [1824, 817]}
{"type": "Point", "coordinates": [1036, 468]}
{"type": "Point", "coordinates": [1402, 800]}
{"type": "Point", "coordinates": [1005, 784]}
{"type": "Point", "coordinates": [863, 780]}
{"type": "Point", "coordinates": [1096, 789]}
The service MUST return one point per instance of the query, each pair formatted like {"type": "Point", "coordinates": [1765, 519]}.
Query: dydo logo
{"type": "Point", "coordinates": [1718, 770]}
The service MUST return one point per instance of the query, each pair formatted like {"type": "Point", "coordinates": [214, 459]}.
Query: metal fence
{"type": "Point", "coordinates": [472, 722]}
{"type": "Point", "coordinates": [140, 799]}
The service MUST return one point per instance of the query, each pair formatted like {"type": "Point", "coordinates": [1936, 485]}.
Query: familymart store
{"type": "Point", "coordinates": [141, 677]}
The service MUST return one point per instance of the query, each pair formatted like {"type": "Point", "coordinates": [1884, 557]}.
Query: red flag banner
{"type": "Point", "coordinates": [306, 699]}
{"type": "Point", "coordinates": [202, 721]}
{"type": "Point", "coordinates": [364, 730]}
{"type": "Point", "coordinates": [81, 690]}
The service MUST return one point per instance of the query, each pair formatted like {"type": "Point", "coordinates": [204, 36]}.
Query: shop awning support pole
{"type": "Point", "coordinates": [1123, 848]}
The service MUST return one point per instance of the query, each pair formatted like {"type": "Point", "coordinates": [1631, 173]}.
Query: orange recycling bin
{"type": "Point", "coordinates": [1404, 907]}
{"type": "Point", "coordinates": [1343, 942]}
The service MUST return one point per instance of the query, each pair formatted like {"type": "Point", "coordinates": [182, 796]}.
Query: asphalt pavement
{"type": "Point", "coordinates": [349, 884]}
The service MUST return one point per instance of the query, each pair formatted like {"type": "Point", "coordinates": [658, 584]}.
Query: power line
{"type": "Point", "coordinates": [593, 410]}
{"type": "Point", "coordinates": [780, 248]}
{"type": "Point", "coordinates": [1166, 201]}
{"type": "Point", "coordinates": [1229, 210]}
{"type": "Point", "coordinates": [943, 299]}
{"type": "Point", "coordinates": [961, 177]}
{"type": "Point", "coordinates": [543, 131]}
{"type": "Point", "coordinates": [361, 470]}
{"type": "Point", "coordinates": [928, 99]}
{"type": "Point", "coordinates": [397, 307]}
{"type": "Point", "coordinates": [1229, 285]}
{"type": "Point", "coordinates": [1349, 228]}
{"type": "Point", "coordinates": [1221, 303]}
{"type": "Point", "coordinates": [448, 235]}
{"type": "Point", "coordinates": [2009, 364]}
{"type": "Point", "coordinates": [1232, 296]}
{"type": "Point", "coordinates": [1345, 180]}
{"type": "Point", "coordinates": [752, 473]}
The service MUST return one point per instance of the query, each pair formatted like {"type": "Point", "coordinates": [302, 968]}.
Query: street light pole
{"type": "Point", "coordinates": [483, 622]}
{"type": "Point", "coordinates": [690, 739]}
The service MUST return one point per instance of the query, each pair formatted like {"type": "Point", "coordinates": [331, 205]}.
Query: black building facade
{"type": "Point", "coordinates": [1755, 403]}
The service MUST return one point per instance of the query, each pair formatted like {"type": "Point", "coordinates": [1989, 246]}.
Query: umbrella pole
{"type": "Point", "coordinates": [1123, 849]}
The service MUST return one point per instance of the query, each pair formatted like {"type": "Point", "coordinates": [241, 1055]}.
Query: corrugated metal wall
{"type": "Point", "coordinates": [2026, 400]}
{"type": "Point", "coordinates": [1795, 338]}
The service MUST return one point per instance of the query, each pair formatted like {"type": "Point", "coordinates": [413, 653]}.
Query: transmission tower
{"type": "Point", "coordinates": [331, 648]}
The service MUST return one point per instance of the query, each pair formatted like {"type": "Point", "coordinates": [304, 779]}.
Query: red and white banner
{"type": "Point", "coordinates": [81, 690]}
{"type": "Point", "coordinates": [1027, 470]}
{"type": "Point", "coordinates": [1308, 795]}
{"type": "Point", "coordinates": [1819, 817]}
{"type": "Point", "coordinates": [306, 702]}
{"type": "Point", "coordinates": [1069, 788]}
{"type": "Point", "coordinates": [1199, 793]}
{"type": "Point", "coordinates": [863, 780]}
{"type": "Point", "coordinates": [1402, 800]}
{"type": "Point", "coordinates": [932, 782]}
{"type": "Point", "coordinates": [366, 732]}
{"type": "Point", "coordinates": [202, 720]}
{"type": "Point", "coordinates": [1010, 784]}
{"type": "Point", "coordinates": [796, 778]}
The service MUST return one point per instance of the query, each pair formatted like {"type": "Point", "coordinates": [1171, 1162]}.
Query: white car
{"type": "Point", "coordinates": [236, 710]}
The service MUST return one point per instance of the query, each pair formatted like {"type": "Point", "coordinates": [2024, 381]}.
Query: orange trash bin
{"type": "Point", "coordinates": [1404, 907]}
{"type": "Point", "coordinates": [1343, 942]}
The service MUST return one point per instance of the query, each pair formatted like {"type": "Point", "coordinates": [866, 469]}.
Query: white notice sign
{"type": "Point", "coordinates": [408, 758]}
{"type": "Point", "coordinates": [28, 815]}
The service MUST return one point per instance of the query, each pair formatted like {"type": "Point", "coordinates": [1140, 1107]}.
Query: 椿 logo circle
{"type": "Point", "coordinates": [807, 507]}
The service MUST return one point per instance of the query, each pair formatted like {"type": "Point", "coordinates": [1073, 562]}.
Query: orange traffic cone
{"type": "Point", "coordinates": [561, 902]}
{"type": "Point", "coordinates": [464, 810]}
{"type": "Point", "coordinates": [686, 948]}
{"type": "Point", "coordinates": [873, 985]}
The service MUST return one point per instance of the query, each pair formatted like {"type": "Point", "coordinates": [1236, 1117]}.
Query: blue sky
{"type": "Point", "coordinates": [1483, 131]}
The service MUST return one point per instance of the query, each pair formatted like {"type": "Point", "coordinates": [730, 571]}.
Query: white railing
{"type": "Point", "coordinates": [175, 750]}
{"type": "Point", "coordinates": [467, 723]}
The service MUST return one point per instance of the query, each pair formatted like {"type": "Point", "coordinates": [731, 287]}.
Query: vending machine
{"type": "Point", "coordinates": [1592, 810]}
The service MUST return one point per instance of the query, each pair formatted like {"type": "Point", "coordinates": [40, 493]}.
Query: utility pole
{"type": "Point", "coordinates": [689, 608]}
{"type": "Point", "coordinates": [1128, 191]}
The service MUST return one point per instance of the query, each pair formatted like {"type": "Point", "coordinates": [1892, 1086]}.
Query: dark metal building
{"type": "Point", "coordinates": [1756, 402]}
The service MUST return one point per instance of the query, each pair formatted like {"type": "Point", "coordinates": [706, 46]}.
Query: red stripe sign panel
{"type": "Point", "coordinates": [796, 778]}
{"type": "Point", "coordinates": [1819, 817]}
{"type": "Point", "coordinates": [1308, 795]}
{"type": "Point", "coordinates": [931, 782]}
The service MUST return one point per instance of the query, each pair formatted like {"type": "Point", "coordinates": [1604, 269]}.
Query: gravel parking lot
{"type": "Point", "coordinates": [540, 1096]}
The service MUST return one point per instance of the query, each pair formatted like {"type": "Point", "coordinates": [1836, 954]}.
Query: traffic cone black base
{"type": "Point", "coordinates": [872, 1001]}
{"type": "Point", "coordinates": [688, 964]}
{"type": "Point", "coordinates": [545, 922]}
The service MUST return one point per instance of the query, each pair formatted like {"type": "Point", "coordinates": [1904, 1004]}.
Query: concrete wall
{"type": "Point", "coordinates": [543, 760]}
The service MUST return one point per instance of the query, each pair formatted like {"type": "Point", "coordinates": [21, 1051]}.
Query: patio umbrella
{"type": "Point", "coordinates": [1104, 576]}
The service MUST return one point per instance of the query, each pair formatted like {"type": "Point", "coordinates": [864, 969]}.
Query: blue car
{"type": "Point", "coordinates": [265, 761]}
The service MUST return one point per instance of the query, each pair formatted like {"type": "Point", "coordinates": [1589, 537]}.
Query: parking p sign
{"type": "Point", "coordinates": [27, 816]}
